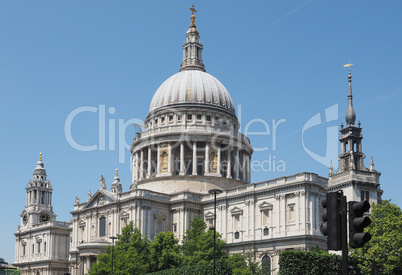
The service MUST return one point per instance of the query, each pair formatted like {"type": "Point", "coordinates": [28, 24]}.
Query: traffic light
{"type": "Point", "coordinates": [357, 223]}
{"type": "Point", "coordinates": [331, 215]}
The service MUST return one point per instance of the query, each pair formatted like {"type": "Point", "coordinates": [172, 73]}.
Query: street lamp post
{"type": "Point", "coordinates": [215, 191]}
{"type": "Point", "coordinates": [112, 238]}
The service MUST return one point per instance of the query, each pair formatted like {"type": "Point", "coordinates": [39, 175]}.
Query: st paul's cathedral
{"type": "Point", "coordinates": [191, 144]}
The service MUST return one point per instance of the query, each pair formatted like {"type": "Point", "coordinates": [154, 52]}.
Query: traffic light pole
{"type": "Point", "coordinates": [344, 235]}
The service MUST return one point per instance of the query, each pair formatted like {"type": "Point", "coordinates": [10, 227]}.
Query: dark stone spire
{"type": "Point", "coordinates": [350, 115]}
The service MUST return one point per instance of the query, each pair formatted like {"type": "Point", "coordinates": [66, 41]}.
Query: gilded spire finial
{"type": "Point", "coordinates": [193, 10]}
{"type": "Point", "coordinates": [117, 172]}
{"type": "Point", "coordinates": [40, 156]}
{"type": "Point", "coordinates": [349, 65]}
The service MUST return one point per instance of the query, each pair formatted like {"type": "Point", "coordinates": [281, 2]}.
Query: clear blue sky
{"type": "Point", "coordinates": [278, 60]}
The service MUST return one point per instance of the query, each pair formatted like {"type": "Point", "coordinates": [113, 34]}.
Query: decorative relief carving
{"type": "Point", "coordinates": [101, 200]}
{"type": "Point", "coordinates": [164, 158]}
{"type": "Point", "coordinates": [213, 161]}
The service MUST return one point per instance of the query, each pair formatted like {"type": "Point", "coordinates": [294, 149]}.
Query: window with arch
{"type": "Point", "coordinates": [266, 231]}
{"type": "Point", "coordinates": [237, 235]}
{"type": "Point", "coordinates": [266, 264]}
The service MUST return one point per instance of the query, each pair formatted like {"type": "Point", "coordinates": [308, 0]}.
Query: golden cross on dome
{"type": "Point", "coordinates": [193, 10]}
{"type": "Point", "coordinates": [117, 172]}
{"type": "Point", "coordinates": [40, 156]}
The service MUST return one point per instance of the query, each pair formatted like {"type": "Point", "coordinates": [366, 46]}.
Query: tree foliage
{"type": "Point", "coordinates": [316, 262]}
{"type": "Point", "coordinates": [205, 268]}
{"type": "Point", "coordinates": [134, 254]}
{"type": "Point", "coordinates": [198, 244]}
{"type": "Point", "coordinates": [384, 250]}
{"type": "Point", "coordinates": [165, 252]}
{"type": "Point", "coordinates": [131, 255]}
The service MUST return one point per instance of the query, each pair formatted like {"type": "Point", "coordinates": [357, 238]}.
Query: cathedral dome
{"type": "Point", "coordinates": [190, 87]}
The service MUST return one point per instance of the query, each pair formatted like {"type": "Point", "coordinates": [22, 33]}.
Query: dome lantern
{"type": "Point", "coordinates": [192, 48]}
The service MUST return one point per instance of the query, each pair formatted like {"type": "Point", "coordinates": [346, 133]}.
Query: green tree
{"type": "Point", "coordinates": [384, 250]}
{"type": "Point", "coordinates": [131, 255]}
{"type": "Point", "coordinates": [243, 264]}
{"type": "Point", "coordinates": [198, 244]}
{"type": "Point", "coordinates": [165, 252]}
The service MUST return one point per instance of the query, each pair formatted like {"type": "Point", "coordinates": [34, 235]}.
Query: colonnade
{"type": "Point", "coordinates": [39, 197]}
{"type": "Point", "coordinates": [191, 158]}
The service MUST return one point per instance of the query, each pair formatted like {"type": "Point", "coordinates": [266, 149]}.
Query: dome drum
{"type": "Point", "coordinates": [175, 158]}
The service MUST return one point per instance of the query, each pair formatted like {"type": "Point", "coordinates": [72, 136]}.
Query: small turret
{"type": "Point", "coordinates": [116, 185]}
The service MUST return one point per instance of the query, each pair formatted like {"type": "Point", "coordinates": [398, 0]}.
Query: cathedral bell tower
{"type": "Point", "coordinates": [38, 207]}
{"type": "Point", "coordinates": [357, 181]}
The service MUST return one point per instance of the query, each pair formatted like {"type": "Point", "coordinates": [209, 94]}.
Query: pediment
{"type": "Point", "coordinates": [81, 223]}
{"type": "Point", "coordinates": [100, 198]}
{"type": "Point", "coordinates": [236, 211]}
{"type": "Point", "coordinates": [124, 215]}
{"type": "Point", "coordinates": [265, 206]}
{"type": "Point", "coordinates": [160, 216]}
{"type": "Point", "coordinates": [209, 215]}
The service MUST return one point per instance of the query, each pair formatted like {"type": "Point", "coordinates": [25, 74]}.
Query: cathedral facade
{"type": "Point", "coordinates": [191, 144]}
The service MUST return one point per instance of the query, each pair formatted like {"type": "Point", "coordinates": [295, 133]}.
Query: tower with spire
{"type": "Point", "coordinates": [39, 231]}
{"type": "Point", "coordinates": [357, 181]}
{"type": "Point", "coordinates": [38, 208]}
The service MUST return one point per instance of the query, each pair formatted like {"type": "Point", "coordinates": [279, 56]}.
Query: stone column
{"type": "Point", "coordinates": [141, 164]}
{"type": "Point", "coordinates": [218, 166]}
{"type": "Point", "coordinates": [182, 170]}
{"type": "Point", "coordinates": [158, 160]}
{"type": "Point", "coordinates": [206, 171]}
{"type": "Point", "coordinates": [136, 167]}
{"type": "Point", "coordinates": [237, 164]}
{"type": "Point", "coordinates": [194, 158]}
{"type": "Point", "coordinates": [149, 162]}
{"type": "Point", "coordinates": [150, 223]}
{"type": "Point", "coordinates": [229, 167]}
{"type": "Point", "coordinates": [283, 209]}
{"type": "Point", "coordinates": [248, 168]}
{"type": "Point", "coordinates": [138, 215]}
{"type": "Point", "coordinates": [244, 166]}
{"type": "Point", "coordinates": [88, 264]}
{"type": "Point", "coordinates": [169, 159]}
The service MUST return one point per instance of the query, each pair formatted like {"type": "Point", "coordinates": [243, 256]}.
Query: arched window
{"type": "Point", "coordinates": [266, 264]}
{"type": "Point", "coordinates": [266, 231]}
